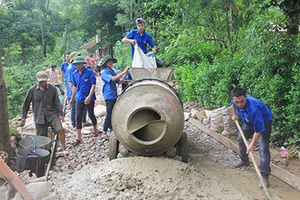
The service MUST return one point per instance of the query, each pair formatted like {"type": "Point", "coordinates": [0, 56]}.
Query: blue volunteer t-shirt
{"type": "Point", "coordinates": [254, 112]}
{"type": "Point", "coordinates": [83, 83]}
{"type": "Point", "coordinates": [142, 40]}
{"type": "Point", "coordinates": [109, 89]}
{"type": "Point", "coordinates": [63, 68]}
{"type": "Point", "coordinates": [69, 71]}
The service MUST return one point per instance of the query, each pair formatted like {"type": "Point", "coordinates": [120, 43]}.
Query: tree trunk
{"type": "Point", "coordinates": [294, 18]}
{"type": "Point", "coordinates": [229, 25]}
{"type": "Point", "coordinates": [42, 32]}
{"type": "Point", "coordinates": [4, 130]}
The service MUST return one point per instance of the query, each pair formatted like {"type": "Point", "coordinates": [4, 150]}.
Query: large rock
{"type": "Point", "coordinates": [100, 110]}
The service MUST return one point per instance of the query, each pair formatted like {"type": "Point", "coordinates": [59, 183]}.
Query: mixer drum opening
{"type": "Point", "coordinates": [146, 125]}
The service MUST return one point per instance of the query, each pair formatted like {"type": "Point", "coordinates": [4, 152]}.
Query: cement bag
{"type": "Point", "coordinates": [229, 125]}
{"type": "Point", "coordinates": [140, 60]}
{"type": "Point", "coordinates": [100, 110]}
{"type": "Point", "coordinates": [216, 120]}
{"type": "Point", "coordinates": [151, 59]}
{"type": "Point", "coordinates": [206, 121]}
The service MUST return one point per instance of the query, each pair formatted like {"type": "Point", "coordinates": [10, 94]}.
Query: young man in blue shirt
{"type": "Point", "coordinates": [64, 67]}
{"type": "Point", "coordinates": [257, 121]}
{"type": "Point", "coordinates": [68, 74]}
{"type": "Point", "coordinates": [142, 38]}
{"type": "Point", "coordinates": [83, 94]}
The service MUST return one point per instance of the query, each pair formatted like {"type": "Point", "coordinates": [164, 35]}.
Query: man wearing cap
{"type": "Point", "coordinates": [110, 78]}
{"type": "Point", "coordinates": [47, 108]}
{"type": "Point", "coordinates": [142, 38]}
{"type": "Point", "coordinates": [71, 68]}
{"type": "Point", "coordinates": [83, 91]}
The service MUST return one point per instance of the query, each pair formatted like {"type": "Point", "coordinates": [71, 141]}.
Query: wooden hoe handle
{"type": "Point", "coordinates": [253, 160]}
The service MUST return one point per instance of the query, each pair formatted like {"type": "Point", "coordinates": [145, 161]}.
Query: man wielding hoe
{"type": "Point", "coordinates": [257, 121]}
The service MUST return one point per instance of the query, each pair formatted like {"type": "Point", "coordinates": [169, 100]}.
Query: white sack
{"type": "Point", "coordinates": [140, 60]}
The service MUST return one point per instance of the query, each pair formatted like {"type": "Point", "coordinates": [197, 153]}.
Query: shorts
{"type": "Point", "coordinates": [42, 129]}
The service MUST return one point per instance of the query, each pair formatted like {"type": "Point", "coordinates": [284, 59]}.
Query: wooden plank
{"type": "Point", "coordinates": [277, 171]}
{"type": "Point", "coordinates": [227, 142]}
{"type": "Point", "coordinates": [286, 176]}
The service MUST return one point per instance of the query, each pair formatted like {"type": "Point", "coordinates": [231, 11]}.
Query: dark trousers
{"type": "Point", "coordinates": [79, 108]}
{"type": "Point", "coordinates": [264, 150]}
{"type": "Point", "coordinates": [159, 63]}
{"type": "Point", "coordinates": [72, 113]}
{"type": "Point", "coordinates": [109, 107]}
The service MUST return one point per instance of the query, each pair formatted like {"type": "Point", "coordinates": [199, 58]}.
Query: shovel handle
{"type": "Point", "coordinates": [51, 157]}
{"type": "Point", "coordinates": [253, 160]}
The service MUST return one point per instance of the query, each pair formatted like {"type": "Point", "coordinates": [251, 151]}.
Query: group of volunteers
{"type": "Point", "coordinates": [80, 82]}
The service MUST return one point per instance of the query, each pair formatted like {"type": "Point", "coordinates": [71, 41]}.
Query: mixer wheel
{"type": "Point", "coordinates": [183, 147]}
{"type": "Point", "coordinates": [113, 146]}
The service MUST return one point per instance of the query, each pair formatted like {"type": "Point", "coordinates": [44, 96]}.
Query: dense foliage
{"type": "Point", "coordinates": [214, 46]}
{"type": "Point", "coordinates": [18, 79]}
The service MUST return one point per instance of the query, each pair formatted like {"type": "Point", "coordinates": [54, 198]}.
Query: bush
{"type": "Point", "coordinates": [18, 80]}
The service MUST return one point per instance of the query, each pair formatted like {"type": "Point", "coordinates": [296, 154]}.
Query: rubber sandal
{"type": "Point", "coordinates": [77, 142]}
{"type": "Point", "coordinates": [95, 134]}
{"type": "Point", "coordinates": [105, 136]}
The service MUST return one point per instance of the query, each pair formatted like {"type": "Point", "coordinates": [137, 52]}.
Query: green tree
{"type": "Point", "coordinates": [101, 22]}
{"type": "Point", "coordinates": [291, 8]}
{"type": "Point", "coordinates": [4, 132]}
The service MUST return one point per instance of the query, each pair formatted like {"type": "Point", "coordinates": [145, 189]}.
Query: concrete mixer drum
{"type": "Point", "coordinates": [148, 119]}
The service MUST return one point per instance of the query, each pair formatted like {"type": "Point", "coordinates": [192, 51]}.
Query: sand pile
{"type": "Point", "coordinates": [142, 178]}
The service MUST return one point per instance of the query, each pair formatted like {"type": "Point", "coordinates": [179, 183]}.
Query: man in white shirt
{"type": "Point", "coordinates": [54, 78]}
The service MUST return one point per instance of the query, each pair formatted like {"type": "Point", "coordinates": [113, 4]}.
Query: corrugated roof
{"type": "Point", "coordinates": [88, 45]}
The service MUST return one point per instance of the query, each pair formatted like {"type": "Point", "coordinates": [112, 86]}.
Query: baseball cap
{"type": "Point", "coordinates": [139, 21]}
{"type": "Point", "coordinates": [41, 76]}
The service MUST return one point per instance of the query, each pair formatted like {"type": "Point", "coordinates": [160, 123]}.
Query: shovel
{"type": "Point", "coordinates": [254, 162]}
